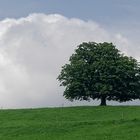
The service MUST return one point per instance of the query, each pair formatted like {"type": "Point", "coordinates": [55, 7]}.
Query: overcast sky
{"type": "Point", "coordinates": [37, 38]}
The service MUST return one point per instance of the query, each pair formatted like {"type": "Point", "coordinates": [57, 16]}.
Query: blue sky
{"type": "Point", "coordinates": [104, 11]}
{"type": "Point", "coordinates": [118, 15]}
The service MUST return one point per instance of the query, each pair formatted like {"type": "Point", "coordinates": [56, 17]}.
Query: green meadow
{"type": "Point", "coordinates": [71, 123]}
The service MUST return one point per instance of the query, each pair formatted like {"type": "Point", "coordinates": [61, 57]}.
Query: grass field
{"type": "Point", "coordinates": [73, 123]}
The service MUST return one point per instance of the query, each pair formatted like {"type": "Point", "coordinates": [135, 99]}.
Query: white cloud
{"type": "Point", "coordinates": [32, 51]}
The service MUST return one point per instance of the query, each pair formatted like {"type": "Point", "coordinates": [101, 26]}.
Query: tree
{"type": "Point", "coordinates": [100, 71]}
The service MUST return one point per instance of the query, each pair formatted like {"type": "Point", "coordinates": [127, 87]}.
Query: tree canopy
{"type": "Point", "coordinates": [100, 71]}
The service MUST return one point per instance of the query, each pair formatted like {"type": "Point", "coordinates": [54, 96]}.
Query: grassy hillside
{"type": "Point", "coordinates": [75, 123]}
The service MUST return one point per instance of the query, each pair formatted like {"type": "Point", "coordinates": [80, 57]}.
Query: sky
{"type": "Point", "coordinates": [38, 37]}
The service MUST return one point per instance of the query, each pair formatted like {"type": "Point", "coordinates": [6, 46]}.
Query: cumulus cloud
{"type": "Point", "coordinates": [32, 51]}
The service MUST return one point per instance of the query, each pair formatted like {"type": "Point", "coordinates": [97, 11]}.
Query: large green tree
{"type": "Point", "coordinates": [100, 71]}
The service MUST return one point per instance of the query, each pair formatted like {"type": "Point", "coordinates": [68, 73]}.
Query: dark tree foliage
{"type": "Point", "coordinates": [100, 71]}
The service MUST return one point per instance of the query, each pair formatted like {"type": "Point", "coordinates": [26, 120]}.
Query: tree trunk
{"type": "Point", "coordinates": [103, 101]}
